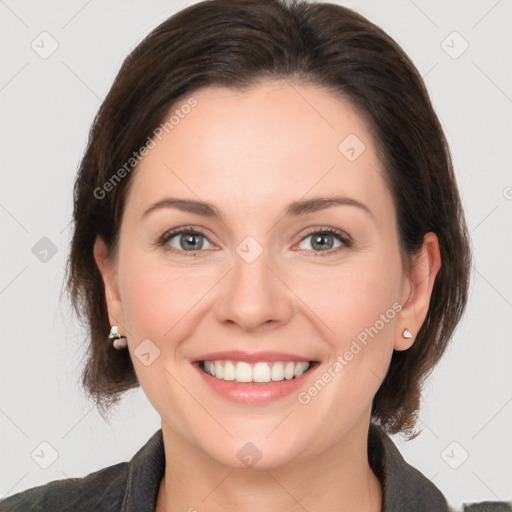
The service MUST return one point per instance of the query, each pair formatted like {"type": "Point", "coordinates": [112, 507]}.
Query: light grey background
{"type": "Point", "coordinates": [47, 106]}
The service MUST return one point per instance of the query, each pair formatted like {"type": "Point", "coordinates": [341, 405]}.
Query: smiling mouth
{"type": "Point", "coordinates": [262, 372]}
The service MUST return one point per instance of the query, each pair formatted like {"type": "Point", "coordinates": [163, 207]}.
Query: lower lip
{"type": "Point", "coordinates": [255, 394]}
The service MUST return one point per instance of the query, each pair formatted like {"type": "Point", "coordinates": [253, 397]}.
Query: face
{"type": "Point", "coordinates": [266, 275]}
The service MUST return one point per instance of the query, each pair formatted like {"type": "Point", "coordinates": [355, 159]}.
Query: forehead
{"type": "Point", "coordinates": [274, 142]}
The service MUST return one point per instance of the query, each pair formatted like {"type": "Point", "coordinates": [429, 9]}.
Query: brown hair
{"type": "Point", "coordinates": [237, 43]}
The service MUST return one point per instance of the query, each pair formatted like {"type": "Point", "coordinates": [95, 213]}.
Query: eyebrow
{"type": "Point", "coordinates": [294, 209]}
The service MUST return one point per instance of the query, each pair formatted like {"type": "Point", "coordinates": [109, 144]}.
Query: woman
{"type": "Point", "coordinates": [269, 240]}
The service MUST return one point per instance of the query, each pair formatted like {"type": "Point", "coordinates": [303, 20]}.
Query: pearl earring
{"type": "Point", "coordinates": [120, 342]}
{"type": "Point", "coordinates": [406, 334]}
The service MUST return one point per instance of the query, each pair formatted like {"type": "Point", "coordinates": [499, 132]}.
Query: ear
{"type": "Point", "coordinates": [416, 294]}
{"type": "Point", "coordinates": [108, 271]}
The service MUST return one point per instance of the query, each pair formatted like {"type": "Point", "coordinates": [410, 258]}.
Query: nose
{"type": "Point", "coordinates": [254, 296]}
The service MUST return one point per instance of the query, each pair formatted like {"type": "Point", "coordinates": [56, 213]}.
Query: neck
{"type": "Point", "coordinates": [338, 479]}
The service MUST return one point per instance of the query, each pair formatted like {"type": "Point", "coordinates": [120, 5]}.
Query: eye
{"type": "Point", "coordinates": [183, 240]}
{"type": "Point", "coordinates": [191, 240]}
{"type": "Point", "coordinates": [324, 240]}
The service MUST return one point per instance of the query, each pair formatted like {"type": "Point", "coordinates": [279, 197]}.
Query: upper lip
{"type": "Point", "coordinates": [239, 355]}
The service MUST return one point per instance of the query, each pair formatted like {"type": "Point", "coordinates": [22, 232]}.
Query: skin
{"type": "Point", "coordinates": [250, 154]}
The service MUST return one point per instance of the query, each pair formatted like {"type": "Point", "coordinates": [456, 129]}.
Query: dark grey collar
{"type": "Point", "coordinates": [405, 488]}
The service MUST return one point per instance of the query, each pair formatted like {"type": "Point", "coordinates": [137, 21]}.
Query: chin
{"type": "Point", "coordinates": [256, 453]}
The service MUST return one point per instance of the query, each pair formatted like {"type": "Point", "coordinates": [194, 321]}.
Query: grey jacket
{"type": "Point", "coordinates": [133, 486]}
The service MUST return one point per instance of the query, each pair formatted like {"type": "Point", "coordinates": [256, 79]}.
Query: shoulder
{"type": "Point", "coordinates": [406, 488]}
{"type": "Point", "coordinates": [128, 486]}
{"type": "Point", "coordinates": [99, 491]}
{"type": "Point", "coordinates": [488, 506]}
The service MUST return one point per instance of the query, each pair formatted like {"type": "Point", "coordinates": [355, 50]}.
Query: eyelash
{"type": "Point", "coordinates": [342, 237]}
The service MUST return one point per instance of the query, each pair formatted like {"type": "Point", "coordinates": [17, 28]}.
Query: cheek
{"type": "Point", "coordinates": [358, 309]}
{"type": "Point", "coordinates": [156, 299]}
{"type": "Point", "coordinates": [162, 305]}
{"type": "Point", "coordinates": [352, 299]}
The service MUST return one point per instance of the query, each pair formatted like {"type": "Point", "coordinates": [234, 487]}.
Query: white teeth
{"type": "Point", "coordinates": [289, 371]}
{"type": "Point", "coordinates": [209, 367]}
{"type": "Point", "coordinates": [229, 371]}
{"type": "Point", "coordinates": [261, 372]}
{"type": "Point", "coordinates": [242, 371]}
{"type": "Point", "coordinates": [300, 368]}
{"type": "Point", "coordinates": [219, 370]}
{"type": "Point", "coordinates": [277, 371]}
